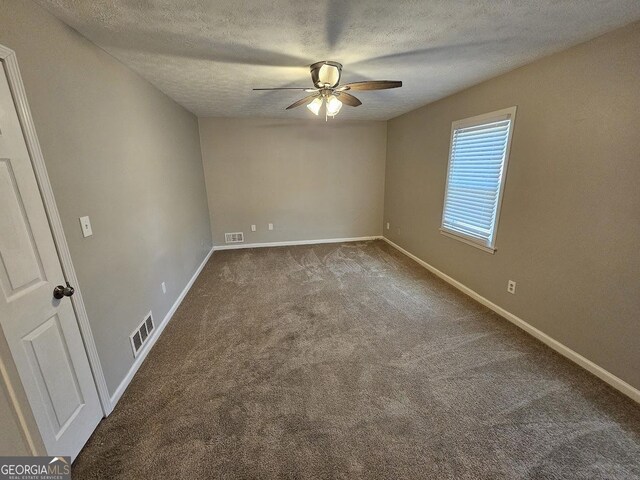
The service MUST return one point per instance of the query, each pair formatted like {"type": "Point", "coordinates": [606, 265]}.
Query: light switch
{"type": "Point", "coordinates": [85, 223]}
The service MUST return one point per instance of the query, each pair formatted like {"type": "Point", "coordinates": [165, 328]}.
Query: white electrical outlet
{"type": "Point", "coordinates": [164, 287]}
{"type": "Point", "coordinates": [388, 225]}
{"type": "Point", "coordinates": [271, 226]}
{"type": "Point", "coordinates": [511, 287]}
{"type": "Point", "coordinates": [85, 224]}
{"type": "Point", "coordinates": [253, 228]}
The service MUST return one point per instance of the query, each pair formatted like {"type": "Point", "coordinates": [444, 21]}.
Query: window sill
{"type": "Point", "coordinates": [462, 239]}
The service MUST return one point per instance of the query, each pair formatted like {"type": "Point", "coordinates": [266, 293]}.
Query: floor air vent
{"type": "Point", "coordinates": [237, 237]}
{"type": "Point", "coordinates": [141, 334]}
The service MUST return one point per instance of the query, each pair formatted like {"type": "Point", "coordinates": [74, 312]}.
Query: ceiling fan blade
{"type": "Point", "coordinates": [302, 101]}
{"type": "Point", "coordinates": [348, 99]}
{"type": "Point", "coordinates": [306, 89]}
{"type": "Point", "coordinates": [371, 85]}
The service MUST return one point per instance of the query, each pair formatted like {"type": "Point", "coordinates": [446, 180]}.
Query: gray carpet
{"type": "Point", "coordinates": [352, 361]}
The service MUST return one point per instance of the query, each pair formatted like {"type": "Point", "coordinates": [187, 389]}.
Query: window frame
{"type": "Point", "coordinates": [498, 115]}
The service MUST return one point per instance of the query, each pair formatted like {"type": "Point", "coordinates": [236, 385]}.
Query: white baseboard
{"type": "Point", "coordinates": [585, 363]}
{"type": "Point", "coordinates": [236, 246]}
{"type": "Point", "coordinates": [154, 337]}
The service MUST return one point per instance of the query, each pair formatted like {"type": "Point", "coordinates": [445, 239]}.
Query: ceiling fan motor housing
{"type": "Point", "coordinates": [326, 74]}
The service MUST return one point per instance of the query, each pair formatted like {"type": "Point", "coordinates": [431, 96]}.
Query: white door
{"type": "Point", "coordinates": [42, 331]}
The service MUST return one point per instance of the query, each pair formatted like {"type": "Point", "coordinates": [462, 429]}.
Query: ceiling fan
{"type": "Point", "coordinates": [326, 79]}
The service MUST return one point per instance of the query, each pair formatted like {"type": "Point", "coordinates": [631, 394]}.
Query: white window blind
{"type": "Point", "coordinates": [475, 177]}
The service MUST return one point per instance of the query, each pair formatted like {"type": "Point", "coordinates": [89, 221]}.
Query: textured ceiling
{"type": "Point", "coordinates": [209, 54]}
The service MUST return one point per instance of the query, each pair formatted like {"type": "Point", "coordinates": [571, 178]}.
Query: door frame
{"type": "Point", "coordinates": [10, 64]}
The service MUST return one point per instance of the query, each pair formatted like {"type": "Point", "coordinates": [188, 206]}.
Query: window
{"type": "Point", "coordinates": [475, 177]}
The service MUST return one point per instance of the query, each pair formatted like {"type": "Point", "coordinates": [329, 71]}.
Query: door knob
{"type": "Point", "coordinates": [62, 291]}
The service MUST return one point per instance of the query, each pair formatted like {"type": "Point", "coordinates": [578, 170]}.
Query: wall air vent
{"type": "Point", "coordinates": [237, 237]}
{"type": "Point", "coordinates": [141, 334]}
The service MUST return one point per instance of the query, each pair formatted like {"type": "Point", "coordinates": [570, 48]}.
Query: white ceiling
{"type": "Point", "coordinates": [209, 54]}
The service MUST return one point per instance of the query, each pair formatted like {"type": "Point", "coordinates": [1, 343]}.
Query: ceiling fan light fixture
{"type": "Point", "coordinates": [315, 105]}
{"type": "Point", "coordinates": [333, 106]}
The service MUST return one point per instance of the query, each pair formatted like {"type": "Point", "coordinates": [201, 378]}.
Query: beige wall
{"type": "Point", "coordinates": [12, 439]}
{"type": "Point", "coordinates": [311, 179]}
{"type": "Point", "coordinates": [569, 232]}
{"type": "Point", "coordinates": [123, 153]}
